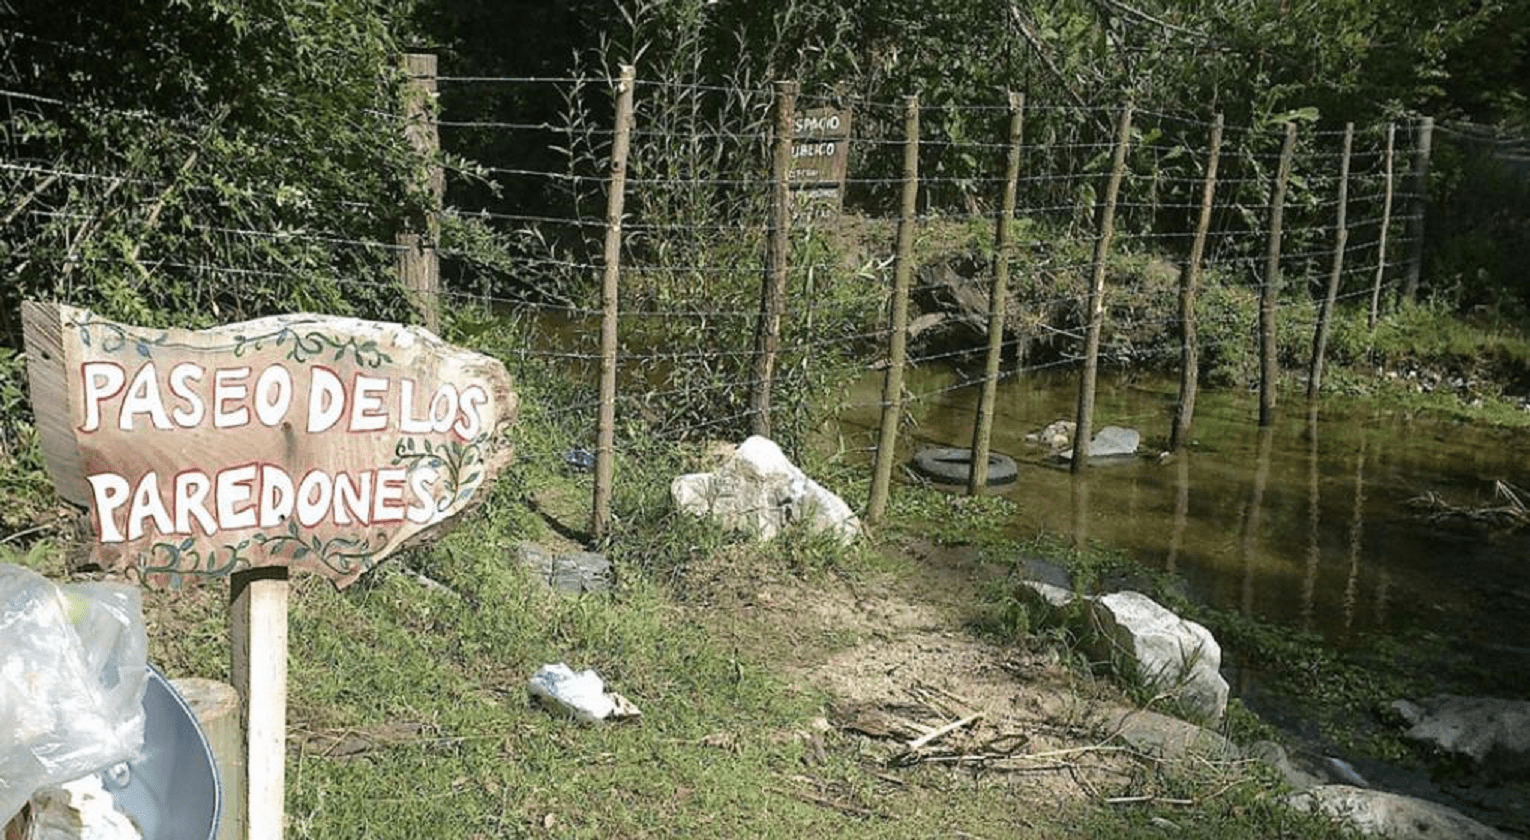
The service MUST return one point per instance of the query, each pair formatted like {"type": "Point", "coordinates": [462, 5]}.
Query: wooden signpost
{"type": "Point", "coordinates": [295, 442]}
{"type": "Point", "coordinates": [820, 157]}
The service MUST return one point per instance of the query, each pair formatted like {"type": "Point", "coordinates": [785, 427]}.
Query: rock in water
{"type": "Point", "coordinates": [758, 491]}
{"type": "Point", "coordinates": [1112, 442]}
{"type": "Point", "coordinates": [1168, 653]}
{"type": "Point", "coordinates": [1493, 733]}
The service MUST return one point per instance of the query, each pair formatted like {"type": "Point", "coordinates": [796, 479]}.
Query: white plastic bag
{"type": "Point", "coordinates": [72, 678]}
{"type": "Point", "coordinates": [581, 694]}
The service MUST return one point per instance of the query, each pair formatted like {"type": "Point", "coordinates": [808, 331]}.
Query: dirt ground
{"type": "Point", "coordinates": [904, 658]}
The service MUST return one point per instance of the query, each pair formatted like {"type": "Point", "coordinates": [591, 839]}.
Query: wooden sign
{"type": "Point", "coordinates": [820, 147]}
{"type": "Point", "coordinates": [820, 158]}
{"type": "Point", "coordinates": [312, 442]}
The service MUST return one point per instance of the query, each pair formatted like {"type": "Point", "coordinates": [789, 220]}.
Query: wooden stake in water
{"type": "Point", "coordinates": [1418, 207]}
{"type": "Point", "coordinates": [998, 297]}
{"type": "Point", "coordinates": [1386, 225]}
{"type": "Point", "coordinates": [1189, 279]}
{"type": "Point", "coordinates": [1269, 293]}
{"type": "Point", "coordinates": [1340, 242]}
{"type": "Point", "coordinates": [1096, 310]}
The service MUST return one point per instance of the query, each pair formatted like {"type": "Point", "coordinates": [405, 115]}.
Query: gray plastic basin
{"type": "Point", "coordinates": [172, 791]}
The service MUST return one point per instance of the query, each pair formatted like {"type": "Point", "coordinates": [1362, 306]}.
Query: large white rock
{"type": "Point", "coordinates": [1169, 653]}
{"type": "Point", "coordinates": [758, 491]}
{"type": "Point", "coordinates": [1493, 733]}
{"type": "Point", "coordinates": [1391, 815]}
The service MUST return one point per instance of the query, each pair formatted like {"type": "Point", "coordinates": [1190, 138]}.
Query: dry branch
{"type": "Point", "coordinates": [937, 734]}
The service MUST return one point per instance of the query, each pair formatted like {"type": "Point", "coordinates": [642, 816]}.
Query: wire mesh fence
{"type": "Point", "coordinates": [157, 236]}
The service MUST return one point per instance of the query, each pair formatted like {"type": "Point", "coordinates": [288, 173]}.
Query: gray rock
{"type": "Point", "coordinates": [758, 491]}
{"type": "Point", "coordinates": [571, 574]}
{"type": "Point", "coordinates": [1166, 737]}
{"type": "Point", "coordinates": [1276, 756]}
{"type": "Point", "coordinates": [1391, 815]}
{"type": "Point", "coordinates": [1493, 733]}
{"type": "Point", "coordinates": [1168, 653]}
{"type": "Point", "coordinates": [1054, 596]}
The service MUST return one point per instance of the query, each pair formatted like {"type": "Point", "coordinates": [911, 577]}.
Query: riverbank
{"type": "Point", "coordinates": [778, 687]}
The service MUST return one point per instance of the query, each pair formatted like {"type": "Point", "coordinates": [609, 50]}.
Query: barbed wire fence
{"type": "Point", "coordinates": [521, 235]}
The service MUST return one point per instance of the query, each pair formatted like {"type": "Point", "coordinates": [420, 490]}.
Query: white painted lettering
{"type": "Point", "coordinates": [407, 422]}
{"type": "Point", "coordinates": [367, 414]}
{"type": "Point", "coordinates": [229, 387]}
{"type": "Point", "coordinates": [143, 398]}
{"type": "Point", "coordinates": [108, 492]}
{"type": "Point", "coordinates": [148, 505]}
{"type": "Point", "coordinates": [425, 510]}
{"type": "Point", "coordinates": [269, 407]}
{"type": "Point", "coordinates": [100, 381]}
{"type": "Point", "coordinates": [277, 497]}
{"type": "Point", "coordinates": [472, 403]}
{"type": "Point", "coordinates": [234, 496]}
{"type": "Point", "coordinates": [191, 490]}
{"type": "Point", "coordinates": [388, 502]}
{"type": "Point", "coordinates": [194, 409]}
{"type": "Point", "coordinates": [326, 399]}
{"type": "Point", "coordinates": [443, 408]}
{"type": "Point", "coordinates": [311, 510]}
{"type": "Point", "coordinates": [351, 496]}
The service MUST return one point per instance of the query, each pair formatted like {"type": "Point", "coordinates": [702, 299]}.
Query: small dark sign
{"type": "Point", "coordinates": [820, 158]}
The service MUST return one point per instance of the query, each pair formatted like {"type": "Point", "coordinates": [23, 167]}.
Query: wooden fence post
{"type": "Point", "coordinates": [1419, 206]}
{"type": "Point", "coordinates": [777, 259]}
{"type": "Point", "coordinates": [258, 666]}
{"type": "Point", "coordinates": [897, 341]}
{"type": "Point", "coordinates": [1340, 242]}
{"type": "Point", "coordinates": [1269, 294]}
{"type": "Point", "coordinates": [1096, 308]}
{"type": "Point", "coordinates": [998, 297]}
{"type": "Point", "coordinates": [1189, 352]}
{"type": "Point", "coordinates": [419, 268]}
{"type": "Point", "coordinates": [1386, 224]}
{"type": "Point", "coordinates": [605, 466]}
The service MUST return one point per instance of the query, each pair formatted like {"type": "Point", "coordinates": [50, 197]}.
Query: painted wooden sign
{"type": "Point", "coordinates": [820, 157]}
{"type": "Point", "coordinates": [820, 146]}
{"type": "Point", "coordinates": [313, 442]}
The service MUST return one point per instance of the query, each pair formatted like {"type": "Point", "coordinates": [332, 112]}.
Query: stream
{"type": "Point", "coordinates": [1311, 524]}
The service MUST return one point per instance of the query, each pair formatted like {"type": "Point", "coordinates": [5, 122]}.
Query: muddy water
{"type": "Point", "coordinates": [1307, 524]}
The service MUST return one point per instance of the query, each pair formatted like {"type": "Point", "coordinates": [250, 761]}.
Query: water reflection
{"type": "Point", "coordinates": [1181, 510]}
{"type": "Point", "coordinates": [1080, 482]}
{"type": "Point", "coordinates": [1314, 518]}
{"type": "Point", "coordinates": [1356, 538]}
{"type": "Point", "coordinates": [1255, 515]}
{"type": "Point", "coordinates": [1304, 523]}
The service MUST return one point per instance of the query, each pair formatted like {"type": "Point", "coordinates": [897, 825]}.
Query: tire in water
{"type": "Point", "coordinates": [953, 465]}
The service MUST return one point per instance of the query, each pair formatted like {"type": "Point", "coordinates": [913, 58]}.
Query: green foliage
{"type": "Point", "coordinates": [26, 493]}
{"type": "Point", "coordinates": [222, 160]}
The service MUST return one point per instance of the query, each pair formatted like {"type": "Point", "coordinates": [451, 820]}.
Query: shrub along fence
{"type": "Point", "coordinates": [689, 259]}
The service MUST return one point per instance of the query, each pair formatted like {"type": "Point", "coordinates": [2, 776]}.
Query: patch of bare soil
{"type": "Point", "coordinates": [918, 688]}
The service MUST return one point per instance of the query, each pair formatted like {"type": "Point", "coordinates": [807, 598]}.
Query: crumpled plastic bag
{"type": "Point", "coordinates": [79, 810]}
{"type": "Point", "coordinates": [73, 673]}
{"type": "Point", "coordinates": [582, 695]}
